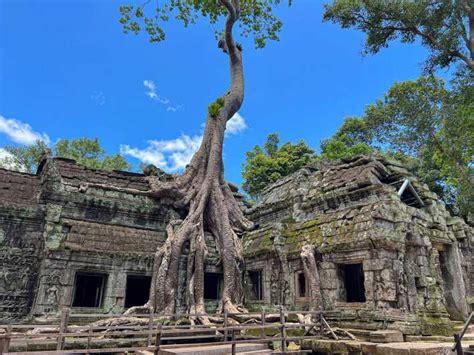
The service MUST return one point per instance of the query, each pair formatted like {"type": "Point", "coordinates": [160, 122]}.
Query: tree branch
{"type": "Point", "coordinates": [423, 34]}
{"type": "Point", "coordinates": [470, 15]}
{"type": "Point", "coordinates": [235, 97]}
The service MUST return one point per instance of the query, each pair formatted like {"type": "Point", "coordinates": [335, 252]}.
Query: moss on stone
{"type": "Point", "coordinates": [430, 325]}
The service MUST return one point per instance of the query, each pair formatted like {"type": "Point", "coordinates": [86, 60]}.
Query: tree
{"type": "Point", "coordinates": [267, 164]}
{"type": "Point", "coordinates": [352, 138]}
{"type": "Point", "coordinates": [84, 151]}
{"type": "Point", "coordinates": [444, 27]}
{"type": "Point", "coordinates": [429, 127]}
{"type": "Point", "coordinates": [201, 191]}
{"type": "Point", "coordinates": [90, 153]}
{"type": "Point", "coordinates": [421, 121]}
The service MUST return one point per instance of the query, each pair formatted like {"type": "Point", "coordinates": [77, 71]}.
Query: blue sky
{"type": "Point", "coordinates": [68, 71]}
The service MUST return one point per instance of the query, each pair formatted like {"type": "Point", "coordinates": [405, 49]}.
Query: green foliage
{"type": "Point", "coordinates": [352, 138]}
{"type": "Point", "coordinates": [426, 125]}
{"type": "Point", "coordinates": [441, 26]}
{"type": "Point", "coordinates": [90, 153]}
{"type": "Point", "coordinates": [267, 164]}
{"type": "Point", "coordinates": [339, 149]}
{"type": "Point", "coordinates": [410, 114]}
{"type": "Point", "coordinates": [256, 17]}
{"type": "Point", "coordinates": [213, 108]}
{"type": "Point", "coordinates": [84, 151]}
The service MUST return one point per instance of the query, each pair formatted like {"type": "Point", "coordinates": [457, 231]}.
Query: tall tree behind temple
{"type": "Point", "coordinates": [428, 126]}
{"type": "Point", "coordinates": [434, 125]}
{"type": "Point", "coordinates": [267, 164]}
{"type": "Point", "coordinates": [84, 151]}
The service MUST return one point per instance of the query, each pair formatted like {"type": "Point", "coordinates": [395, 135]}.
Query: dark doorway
{"type": "Point", "coordinates": [354, 283]}
{"type": "Point", "coordinates": [301, 284]}
{"type": "Point", "coordinates": [212, 285]}
{"type": "Point", "coordinates": [137, 291]}
{"type": "Point", "coordinates": [255, 278]}
{"type": "Point", "coordinates": [89, 290]}
{"type": "Point", "coordinates": [446, 276]}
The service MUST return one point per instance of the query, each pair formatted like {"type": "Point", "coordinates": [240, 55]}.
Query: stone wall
{"type": "Point", "coordinates": [97, 222]}
{"type": "Point", "coordinates": [66, 220]}
{"type": "Point", "coordinates": [416, 259]}
{"type": "Point", "coordinates": [21, 243]}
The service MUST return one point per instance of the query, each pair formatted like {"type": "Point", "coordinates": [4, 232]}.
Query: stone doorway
{"type": "Point", "coordinates": [212, 286]}
{"type": "Point", "coordinates": [353, 275]}
{"type": "Point", "coordinates": [137, 290]}
{"type": "Point", "coordinates": [256, 282]}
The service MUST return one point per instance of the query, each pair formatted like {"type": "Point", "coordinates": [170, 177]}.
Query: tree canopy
{"type": "Point", "coordinates": [270, 162]}
{"type": "Point", "coordinates": [421, 121]}
{"type": "Point", "coordinates": [444, 27]}
{"type": "Point", "coordinates": [352, 138]}
{"type": "Point", "coordinates": [84, 151]}
{"type": "Point", "coordinates": [256, 17]}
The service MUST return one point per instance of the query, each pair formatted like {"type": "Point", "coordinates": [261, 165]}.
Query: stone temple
{"type": "Point", "coordinates": [388, 253]}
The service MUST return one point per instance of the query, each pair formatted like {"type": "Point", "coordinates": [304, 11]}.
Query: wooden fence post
{"type": "Point", "coordinates": [89, 335]}
{"type": "Point", "coordinates": [262, 331]}
{"type": "Point", "coordinates": [150, 328]}
{"type": "Point", "coordinates": [233, 341]}
{"type": "Point", "coordinates": [64, 320]}
{"type": "Point", "coordinates": [5, 340]}
{"type": "Point", "coordinates": [283, 330]}
{"type": "Point", "coordinates": [457, 339]}
{"type": "Point", "coordinates": [321, 324]}
{"type": "Point", "coordinates": [158, 338]}
{"type": "Point", "coordinates": [226, 334]}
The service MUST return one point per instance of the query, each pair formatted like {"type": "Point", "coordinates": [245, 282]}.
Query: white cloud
{"type": "Point", "coordinates": [236, 124]}
{"type": "Point", "coordinates": [174, 108]}
{"type": "Point", "coordinates": [20, 132]}
{"type": "Point", "coordinates": [153, 94]}
{"type": "Point", "coordinates": [170, 155]}
{"type": "Point", "coordinates": [174, 154]}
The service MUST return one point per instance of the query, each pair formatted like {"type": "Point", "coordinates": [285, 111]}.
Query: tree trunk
{"type": "Point", "coordinates": [312, 277]}
{"type": "Point", "coordinates": [210, 205]}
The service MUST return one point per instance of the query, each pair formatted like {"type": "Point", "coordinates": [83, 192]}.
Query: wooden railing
{"type": "Point", "coordinates": [458, 337]}
{"type": "Point", "coordinates": [154, 331]}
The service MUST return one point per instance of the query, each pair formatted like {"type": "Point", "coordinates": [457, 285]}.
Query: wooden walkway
{"type": "Point", "coordinates": [161, 332]}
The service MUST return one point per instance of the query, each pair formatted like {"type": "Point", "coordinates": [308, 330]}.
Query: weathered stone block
{"type": "Point", "coordinates": [386, 336]}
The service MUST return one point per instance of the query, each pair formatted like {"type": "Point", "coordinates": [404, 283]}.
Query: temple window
{"type": "Point", "coordinates": [89, 290]}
